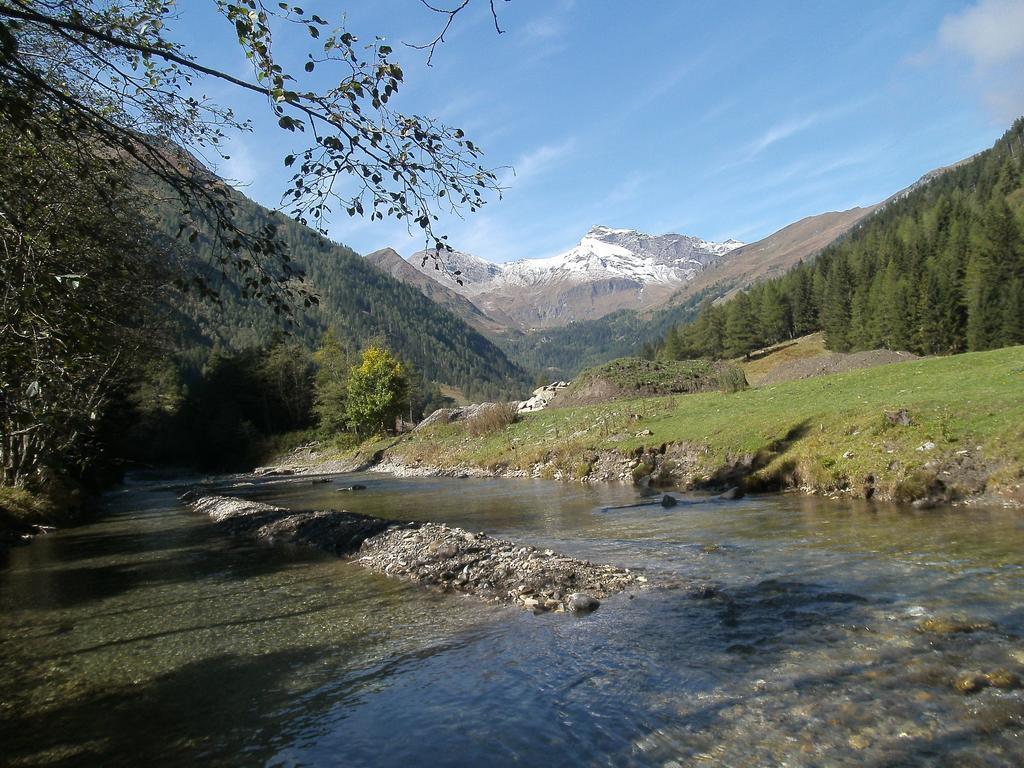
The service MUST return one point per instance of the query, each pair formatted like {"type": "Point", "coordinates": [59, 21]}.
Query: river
{"type": "Point", "coordinates": [149, 638]}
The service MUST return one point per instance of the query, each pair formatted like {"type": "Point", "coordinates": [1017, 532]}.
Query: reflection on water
{"type": "Point", "coordinates": [149, 637]}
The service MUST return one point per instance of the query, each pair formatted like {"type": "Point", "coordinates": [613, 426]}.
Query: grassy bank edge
{"type": "Point", "coordinates": [829, 434]}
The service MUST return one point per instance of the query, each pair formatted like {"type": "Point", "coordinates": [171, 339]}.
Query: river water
{"type": "Point", "coordinates": [149, 638]}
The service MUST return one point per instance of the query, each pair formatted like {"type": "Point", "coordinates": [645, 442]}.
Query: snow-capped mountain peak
{"type": "Point", "coordinates": [620, 263]}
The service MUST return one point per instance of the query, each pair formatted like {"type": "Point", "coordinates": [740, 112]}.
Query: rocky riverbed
{"type": "Point", "coordinates": [435, 555]}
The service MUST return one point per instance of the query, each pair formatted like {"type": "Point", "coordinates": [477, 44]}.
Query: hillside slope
{"type": "Point", "coordinates": [776, 253]}
{"type": "Point", "coordinates": [566, 350]}
{"type": "Point", "coordinates": [937, 270]}
{"type": "Point", "coordinates": [388, 260]}
{"type": "Point", "coordinates": [934, 429]}
{"type": "Point", "coordinates": [359, 301]}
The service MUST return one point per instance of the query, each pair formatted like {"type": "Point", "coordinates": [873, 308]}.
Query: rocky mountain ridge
{"type": "Point", "coordinates": [609, 269]}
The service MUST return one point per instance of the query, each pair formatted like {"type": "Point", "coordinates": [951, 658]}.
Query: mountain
{"type": "Point", "coordinates": [608, 270]}
{"type": "Point", "coordinates": [566, 350]}
{"type": "Point", "coordinates": [388, 260]}
{"type": "Point", "coordinates": [361, 301]}
{"type": "Point", "coordinates": [775, 254]}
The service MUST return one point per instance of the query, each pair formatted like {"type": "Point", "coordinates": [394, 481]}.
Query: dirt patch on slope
{"type": "Point", "coordinates": [834, 362]}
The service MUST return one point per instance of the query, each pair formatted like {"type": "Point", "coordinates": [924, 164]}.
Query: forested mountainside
{"type": "Point", "coordinates": [360, 302]}
{"type": "Point", "coordinates": [563, 352]}
{"type": "Point", "coordinates": [938, 270]}
{"type": "Point", "coordinates": [388, 260]}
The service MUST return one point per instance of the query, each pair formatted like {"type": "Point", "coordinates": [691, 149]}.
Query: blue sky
{"type": "Point", "coordinates": [714, 119]}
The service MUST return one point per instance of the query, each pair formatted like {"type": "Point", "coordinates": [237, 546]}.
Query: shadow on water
{"type": "Point", "coordinates": [210, 712]}
{"type": "Point", "coordinates": [189, 629]}
{"type": "Point", "coordinates": [167, 720]}
{"type": "Point", "coordinates": [83, 566]}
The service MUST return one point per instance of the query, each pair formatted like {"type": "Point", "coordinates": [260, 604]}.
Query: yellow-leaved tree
{"type": "Point", "coordinates": [377, 392]}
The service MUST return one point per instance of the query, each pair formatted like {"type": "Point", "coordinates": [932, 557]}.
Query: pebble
{"type": "Point", "coordinates": [949, 625]}
{"type": "Point", "coordinates": [858, 741]}
{"type": "Point", "coordinates": [1003, 679]}
{"type": "Point", "coordinates": [970, 683]}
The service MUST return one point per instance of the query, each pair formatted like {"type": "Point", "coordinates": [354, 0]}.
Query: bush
{"type": "Point", "coordinates": [731, 378]}
{"type": "Point", "coordinates": [492, 418]}
{"type": "Point", "coordinates": [19, 504]}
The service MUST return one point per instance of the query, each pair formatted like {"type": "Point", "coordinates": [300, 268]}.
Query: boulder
{"type": "Point", "coordinates": [581, 602]}
{"type": "Point", "coordinates": [899, 418]}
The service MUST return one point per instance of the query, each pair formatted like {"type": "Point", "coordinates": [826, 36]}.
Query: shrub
{"type": "Point", "coordinates": [492, 418]}
{"type": "Point", "coordinates": [19, 504]}
{"type": "Point", "coordinates": [731, 378]}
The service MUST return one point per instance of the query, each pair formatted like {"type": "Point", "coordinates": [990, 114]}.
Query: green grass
{"type": "Point", "coordinates": [662, 376]}
{"type": "Point", "coordinates": [637, 377]}
{"type": "Point", "coordinates": [824, 432]}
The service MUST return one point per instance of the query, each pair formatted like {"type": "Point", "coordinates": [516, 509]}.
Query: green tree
{"type": "Point", "coordinates": [333, 363]}
{"type": "Point", "coordinates": [775, 320]}
{"type": "Point", "coordinates": [111, 78]}
{"type": "Point", "coordinates": [286, 384]}
{"type": "Point", "coordinates": [740, 327]}
{"type": "Point", "coordinates": [984, 313]}
{"type": "Point", "coordinates": [932, 316]}
{"type": "Point", "coordinates": [836, 311]}
{"type": "Point", "coordinates": [1013, 313]}
{"type": "Point", "coordinates": [377, 392]}
{"type": "Point", "coordinates": [79, 283]}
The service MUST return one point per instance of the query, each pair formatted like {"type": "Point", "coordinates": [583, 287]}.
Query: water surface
{"type": "Point", "coordinates": [148, 637]}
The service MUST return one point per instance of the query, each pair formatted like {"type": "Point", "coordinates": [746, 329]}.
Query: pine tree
{"type": "Point", "coordinates": [740, 327]}
{"type": "Point", "coordinates": [805, 313]}
{"type": "Point", "coordinates": [930, 337]}
{"type": "Point", "coordinates": [330, 399]}
{"type": "Point", "coordinates": [984, 313]}
{"type": "Point", "coordinates": [1013, 313]}
{"type": "Point", "coordinates": [775, 318]}
{"type": "Point", "coordinates": [836, 310]}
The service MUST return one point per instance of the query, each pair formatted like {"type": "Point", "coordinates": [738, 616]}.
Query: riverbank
{"type": "Point", "coordinates": [25, 515]}
{"type": "Point", "coordinates": [435, 555]}
{"type": "Point", "coordinates": [927, 431]}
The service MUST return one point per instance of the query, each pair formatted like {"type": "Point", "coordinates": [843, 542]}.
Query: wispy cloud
{"type": "Point", "coordinates": [535, 162]}
{"type": "Point", "coordinates": [782, 131]}
{"type": "Point", "coordinates": [990, 35]}
{"type": "Point", "coordinates": [799, 124]}
{"type": "Point", "coordinates": [786, 129]}
{"type": "Point", "coordinates": [814, 167]}
{"type": "Point", "coordinates": [546, 35]}
{"type": "Point", "coordinates": [250, 171]}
